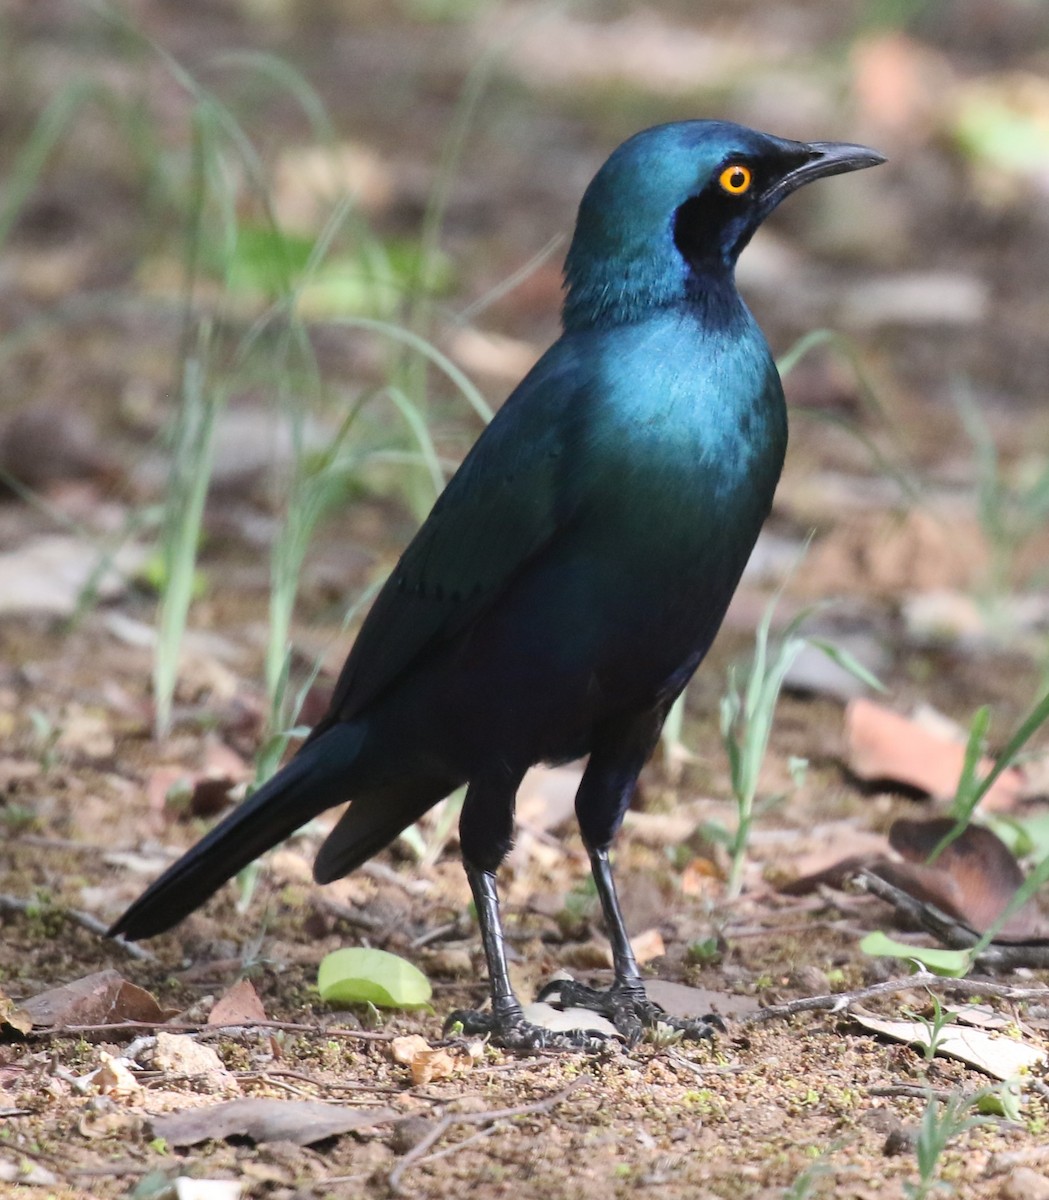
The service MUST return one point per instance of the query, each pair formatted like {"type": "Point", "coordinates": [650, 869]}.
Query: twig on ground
{"type": "Point", "coordinates": [911, 1091]}
{"type": "Point", "coordinates": [838, 1001]}
{"type": "Point", "coordinates": [418, 1152]}
{"type": "Point", "coordinates": [434, 935]}
{"type": "Point", "coordinates": [210, 1030]}
{"type": "Point", "coordinates": [385, 874]}
{"type": "Point", "coordinates": [323, 1085]}
{"type": "Point", "coordinates": [704, 1069]}
{"type": "Point", "coordinates": [85, 920]}
{"type": "Point", "coordinates": [955, 934]}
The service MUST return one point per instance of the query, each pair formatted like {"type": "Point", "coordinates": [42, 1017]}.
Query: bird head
{"type": "Point", "coordinates": [667, 215]}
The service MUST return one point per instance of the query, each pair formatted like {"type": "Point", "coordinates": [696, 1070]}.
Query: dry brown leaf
{"type": "Point", "coordinates": [100, 999]}
{"type": "Point", "coordinates": [1000, 1057]}
{"type": "Point", "coordinates": [974, 879]}
{"type": "Point", "coordinates": [239, 1006]}
{"type": "Point", "coordinates": [309, 180]}
{"type": "Point", "coordinates": [484, 353]}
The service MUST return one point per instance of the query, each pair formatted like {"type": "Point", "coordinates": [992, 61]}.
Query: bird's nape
{"type": "Point", "coordinates": [576, 569]}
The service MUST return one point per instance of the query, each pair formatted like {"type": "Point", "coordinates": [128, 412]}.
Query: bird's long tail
{"type": "Point", "coordinates": [317, 778]}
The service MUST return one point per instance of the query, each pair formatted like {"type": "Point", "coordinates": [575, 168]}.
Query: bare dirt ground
{"type": "Point", "coordinates": [934, 268]}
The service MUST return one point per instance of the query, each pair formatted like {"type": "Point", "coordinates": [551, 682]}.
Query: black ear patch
{"type": "Point", "coordinates": [698, 224]}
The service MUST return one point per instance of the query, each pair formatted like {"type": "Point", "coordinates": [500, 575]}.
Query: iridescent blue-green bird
{"type": "Point", "coordinates": [573, 574]}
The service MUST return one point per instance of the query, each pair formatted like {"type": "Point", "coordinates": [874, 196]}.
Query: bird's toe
{"type": "Point", "coordinates": [514, 1032]}
{"type": "Point", "coordinates": [629, 1010]}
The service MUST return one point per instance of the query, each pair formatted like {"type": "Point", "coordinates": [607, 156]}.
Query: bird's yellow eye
{"type": "Point", "coordinates": [735, 179]}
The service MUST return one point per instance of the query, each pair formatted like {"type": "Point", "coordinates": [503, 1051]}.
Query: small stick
{"type": "Point", "coordinates": [837, 1001]}
{"type": "Point", "coordinates": [197, 1027]}
{"type": "Point", "coordinates": [418, 1151]}
{"type": "Point", "coordinates": [86, 920]}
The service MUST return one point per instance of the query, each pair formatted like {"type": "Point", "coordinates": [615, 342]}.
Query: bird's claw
{"type": "Point", "coordinates": [512, 1032]}
{"type": "Point", "coordinates": [629, 1010]}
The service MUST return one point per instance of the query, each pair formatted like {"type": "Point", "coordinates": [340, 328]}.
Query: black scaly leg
{"type": "Point", "coordinates": [601, 803]}
{"type": "Point", "coordinates": [485, 831]}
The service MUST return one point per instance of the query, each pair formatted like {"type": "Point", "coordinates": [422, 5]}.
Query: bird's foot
{"type": "Point", "coordinates": [512, 1031]}
{"type": "Point", "coordinates": [629, 1010]}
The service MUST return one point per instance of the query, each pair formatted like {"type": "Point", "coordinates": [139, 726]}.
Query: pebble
{"type": "Point", "coordinates": [1024, 1184]}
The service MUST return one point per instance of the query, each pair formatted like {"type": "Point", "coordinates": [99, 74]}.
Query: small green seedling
{"type": "Point", "coordinates": [746, 723]}
{"type": "Point", "coordinates": [972, 786]}
{"type": "Point", "coordinates": [939, 1126]}
{"type": "Point", "coordinates": [934, 1026]}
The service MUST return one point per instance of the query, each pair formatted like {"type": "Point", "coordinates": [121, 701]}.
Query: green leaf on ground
{"type": "Point", "coordinates": [363, 976]}
{"type": "Point", "coordinates": [954, 963]}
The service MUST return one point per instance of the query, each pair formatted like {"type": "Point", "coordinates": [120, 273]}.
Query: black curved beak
{"type": "Point", "coordinates": [825, 158]}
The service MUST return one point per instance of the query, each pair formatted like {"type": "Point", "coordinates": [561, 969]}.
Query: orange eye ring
{"type": "Point", "coordinates": [736, 179]}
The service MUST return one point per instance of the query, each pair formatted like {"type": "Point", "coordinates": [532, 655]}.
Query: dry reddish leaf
{"type": "Point", "coordinates": [100, 999]}
{"type": "Point", "coordinates": [239, 1006]}
{"type": "Point", "coordinates": [882, 744]}
{"type": "Point", "coordinates": [834, 851]}
{"type": "Point", "coordinates": [973, 880]}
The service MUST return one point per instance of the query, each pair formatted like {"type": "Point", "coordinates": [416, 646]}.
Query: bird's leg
{"type": "Point", "coordinates": [506, 1008]}
{"type": "Point", "coordinates": [485, 829]}
{"type": "Point", "coordinates": [601, 803]}
{"type": "Point", "coordinates": [624, 1003]}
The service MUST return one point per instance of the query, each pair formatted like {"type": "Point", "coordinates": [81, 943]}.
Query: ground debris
{"type": "Point", "coordinates": [302, 1122]}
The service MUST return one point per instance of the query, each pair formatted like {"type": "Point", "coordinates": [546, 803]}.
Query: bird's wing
{"type": "Point", "coordinates": [515, 490]}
